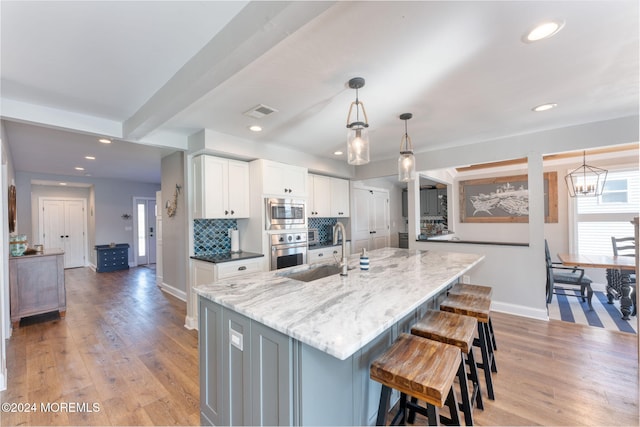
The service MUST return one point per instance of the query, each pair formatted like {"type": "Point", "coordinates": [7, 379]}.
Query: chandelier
{"type": "Point", "coordinates": [586, 180]}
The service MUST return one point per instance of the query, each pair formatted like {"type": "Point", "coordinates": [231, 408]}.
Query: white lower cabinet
{"type": "Point", "coordinates": [326, 254]}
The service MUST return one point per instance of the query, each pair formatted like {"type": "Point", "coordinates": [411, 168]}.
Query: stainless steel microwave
{"type": "Point", "coordinates": [282, 214]}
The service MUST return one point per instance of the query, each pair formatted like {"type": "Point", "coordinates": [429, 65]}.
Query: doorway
{"type": "Point", "coordinates": [63, 225]}
{"type": "Point", "coordinates": [145, 211]}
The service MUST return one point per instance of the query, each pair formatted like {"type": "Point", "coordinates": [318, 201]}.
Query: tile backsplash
{"type": "Point", "coordinates": [211, 236]}
{"type": "Point", "coordinates": [324, 226]}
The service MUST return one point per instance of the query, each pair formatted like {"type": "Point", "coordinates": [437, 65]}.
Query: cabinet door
{"type": "Point", "coordinates": [210, 350]}
{"type": "Point", "coordinates": [238, 189]}
{"type": "Point", "coordinates": [236, 333]}
{"type": "Point", "coordinates": [321, 196]}
{"type": "Point", "coordinates": [271, 368]}
{"type": "Point", "coordinates": [424, 203]}
{"type": "Point", "coordinates": [405, 204]}
{"type": "Point", "coordinates": [432, 196]}
{"type": "Point", "coordinates": [295, 179]}
{"type": "Point", "coordinates": [216, 172]}
{"type": "Point", "coordinates": [339, 197]}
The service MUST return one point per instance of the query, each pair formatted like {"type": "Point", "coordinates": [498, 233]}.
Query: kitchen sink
{"type": "Point", "coordinates": [314, 273]}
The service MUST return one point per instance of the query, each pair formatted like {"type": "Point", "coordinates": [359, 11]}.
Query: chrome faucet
{"type": "Point", "coordinates": [339, 227]}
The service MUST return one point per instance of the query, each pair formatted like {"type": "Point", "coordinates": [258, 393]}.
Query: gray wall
{"type": "Point", "coordinates": [107, 200]}
{"type": "Point", "coordinates": [174, 229]}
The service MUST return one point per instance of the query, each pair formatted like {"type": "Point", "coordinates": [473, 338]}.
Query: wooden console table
{"type": "Point", "coordinates": [36, 284]}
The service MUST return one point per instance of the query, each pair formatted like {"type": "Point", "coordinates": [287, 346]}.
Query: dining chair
{"type": "Point", "coordinates": [626, 246]}
{"type": "Point", "coordinates": [557, 273]}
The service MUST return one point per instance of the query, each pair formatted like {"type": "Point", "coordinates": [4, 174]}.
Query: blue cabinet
{"type": "Point", "coordinates": [112, 258]}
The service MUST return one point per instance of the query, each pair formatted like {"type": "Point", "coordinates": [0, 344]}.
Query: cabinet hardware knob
{"type": "Point", "coordinates": [319, 255]}
{"type": "Point", "coordinates": [226, 212]}
{"type": "Point", "coordinates": [242, 268]}
{"type": "Point", "coordinates": [232, 212]}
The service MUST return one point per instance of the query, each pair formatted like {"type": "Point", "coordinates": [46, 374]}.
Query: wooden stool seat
{"type": "Point", "coordinates": [478, 290]}
{"type": "Point", "coordinates": [457, 330]}
{"type": "Point", "coordinates": [480, 308]}
{"type": "Point", "coordinates": [467, 288]}
{"type": "Point", "coordinates": [420, 368]}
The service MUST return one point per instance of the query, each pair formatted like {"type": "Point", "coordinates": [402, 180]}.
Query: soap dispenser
{"type": "Point", "coordinates": [364, 260]}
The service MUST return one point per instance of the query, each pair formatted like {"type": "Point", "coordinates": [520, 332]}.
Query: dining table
{"type": "Point", "coordinates": [619, 268]}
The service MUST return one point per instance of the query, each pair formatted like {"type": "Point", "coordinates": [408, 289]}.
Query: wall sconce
{"type": "Point", "coordinates": [357, 135]}
{"type": "Point", "coordinates": [125, 216]}
{"type": "Point", "coordinates": [406, 161]}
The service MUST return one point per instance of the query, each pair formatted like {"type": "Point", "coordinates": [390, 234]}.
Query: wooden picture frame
{"type": "Point", "coordinates": [505, 199]}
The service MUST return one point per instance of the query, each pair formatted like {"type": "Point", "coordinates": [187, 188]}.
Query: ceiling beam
{"type": "Point", "coordinates": [258, 27]}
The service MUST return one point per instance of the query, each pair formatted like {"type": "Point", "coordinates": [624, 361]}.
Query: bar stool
{"type": "Point", "coordinates": [479, 290]}
{"type": "Point", "coordinates": [420, 368]}
{"type": "Point", "coordinates": [480, 308]}
{"type": "Point", "coordinates": [457, 330]}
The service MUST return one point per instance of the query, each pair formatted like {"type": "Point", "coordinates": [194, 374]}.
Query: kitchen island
{"type": "Point", "coordinates": [279, 351]}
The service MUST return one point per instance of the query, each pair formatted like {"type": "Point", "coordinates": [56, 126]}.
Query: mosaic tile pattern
{"type": "Point", "coordinates": [325, 228]}
{"type": "Point", "coordinates": [211, 236]}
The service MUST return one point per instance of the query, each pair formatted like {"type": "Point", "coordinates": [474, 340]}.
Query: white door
{"type": "Point", "coordinates": [360, 237]}
{"type": "Point", "coordinates": [370, 220]}
{"type": "Point", "coordinates": [145, 229]}
{"type": "Point", "coordinates": [379, 219]}
{"type": "Point", "coordinates": [63, 225]}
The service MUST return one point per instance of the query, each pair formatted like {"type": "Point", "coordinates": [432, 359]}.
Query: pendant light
{"type": "Point", "coordinates": [586, 180]}
{"type": "Point", "coordinates": [406, 161]}
{"type": "Point", "coordinates": [357, 135]}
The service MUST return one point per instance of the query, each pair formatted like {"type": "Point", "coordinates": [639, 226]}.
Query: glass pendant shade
{"type": "Point", "coordinates": [586, 180]}
{"type": "Point", "coordinates": [357, 134]}
{"type": "Point", "coordinates": [357, 145]}
{"type": "Point", "coordinates": [406, 166]}
{"type": "Point", "coordinates": [406, 161]}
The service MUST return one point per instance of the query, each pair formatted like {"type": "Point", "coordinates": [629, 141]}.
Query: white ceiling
{"type": "Point", "coordinates": [156, 72]}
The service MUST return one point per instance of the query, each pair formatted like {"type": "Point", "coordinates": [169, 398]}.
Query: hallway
{"type": "Point", "coordinates": [122, 349]}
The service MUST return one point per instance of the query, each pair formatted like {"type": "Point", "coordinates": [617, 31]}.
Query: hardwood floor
{"type": "Point", "coordinates": [123, 346]}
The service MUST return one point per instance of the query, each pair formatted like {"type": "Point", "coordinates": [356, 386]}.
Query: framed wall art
{"type": "Point", "coordinates": [505, 199]}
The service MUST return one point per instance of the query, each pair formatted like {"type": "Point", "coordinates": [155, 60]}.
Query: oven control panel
{"type": "Point", "coordinates": [288, 238]}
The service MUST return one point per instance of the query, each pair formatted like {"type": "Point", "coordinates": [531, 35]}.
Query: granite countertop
{"type": "Point", "coordinates": [323, 245]}
{"type": "Point", "coordinates": [339, 315]}
{"type": "Point", "coordinates": [220, 258]}
{"type": "Point", "coordinates": [45, 252]}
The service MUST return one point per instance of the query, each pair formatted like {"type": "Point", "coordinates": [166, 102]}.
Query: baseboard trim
{"type": "Point", "coordinates": [191, 323]}
{"type": "Point", "coordinates": [181, 295]}
{"type": "Point", "coordinates": [520, 310]}
{"type": "Point", "coordinates": [3, 380]}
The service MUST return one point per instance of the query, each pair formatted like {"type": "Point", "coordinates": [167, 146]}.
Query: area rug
{"type": "Point", "coordinates": [604, 315]}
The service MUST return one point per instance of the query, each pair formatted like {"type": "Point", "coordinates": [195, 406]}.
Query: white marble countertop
{"type": "Point", "coordinates": [340, 315]}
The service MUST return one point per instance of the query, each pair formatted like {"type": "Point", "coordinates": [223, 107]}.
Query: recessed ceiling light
{"type": "Point", "coordinates": [89, 157]}
{"type": "Point", "coordinates": [543, 31]}
{"type": "Point", "coordinates": [78, 168]}
{"type": "Point", "coordinates": [255, 128]}
{"type": "Point", "coordinates": [544, 107]}
{"type": "Point", "coordinates": [338, 153]}
{"type": "Point", "coordinates": [105, 140]}
{"type": "Point", "coordinates": [63, 183]}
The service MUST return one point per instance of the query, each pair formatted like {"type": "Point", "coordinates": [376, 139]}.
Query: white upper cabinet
{"type": "Point", "coordinates": [339, 197]}
{"type": "Point", "coordinates": [279, 179]}
{"type": "Point", "coordinates": [328, 197]}
{"type": "Point", "coordinates": [319, 202]}
{"type": "Point", "coordinates": [221, 188]}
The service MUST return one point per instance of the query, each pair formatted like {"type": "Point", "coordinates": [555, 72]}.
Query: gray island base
{"type": "Point", "coordinates": [278, 351]}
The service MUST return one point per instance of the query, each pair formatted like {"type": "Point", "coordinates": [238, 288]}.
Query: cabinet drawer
{"type": "Point", "coordinates": [239, 268]}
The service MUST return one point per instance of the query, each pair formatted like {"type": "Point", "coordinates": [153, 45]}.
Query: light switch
{"type": "Point", "coordinates": [236, 339]}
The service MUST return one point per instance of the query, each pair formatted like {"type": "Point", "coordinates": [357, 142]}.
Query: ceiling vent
{"type": "Point", "coordinates": [260, 111]}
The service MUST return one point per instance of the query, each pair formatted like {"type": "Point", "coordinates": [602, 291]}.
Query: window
{"type": "Point", "coordinates": [599, 218]}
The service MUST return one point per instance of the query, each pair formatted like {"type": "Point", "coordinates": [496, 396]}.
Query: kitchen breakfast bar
{"type": "Point", "coordinates": [276, 350]}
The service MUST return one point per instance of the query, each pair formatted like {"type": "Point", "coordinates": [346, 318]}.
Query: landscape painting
{"type": "Point", "coordinates": [505, 199]}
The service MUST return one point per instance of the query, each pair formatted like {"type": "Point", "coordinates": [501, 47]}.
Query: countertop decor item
{"type": "Point", "coordinates": [357, 135]}
{"type": "Point", "coordinates": [18, 244]}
